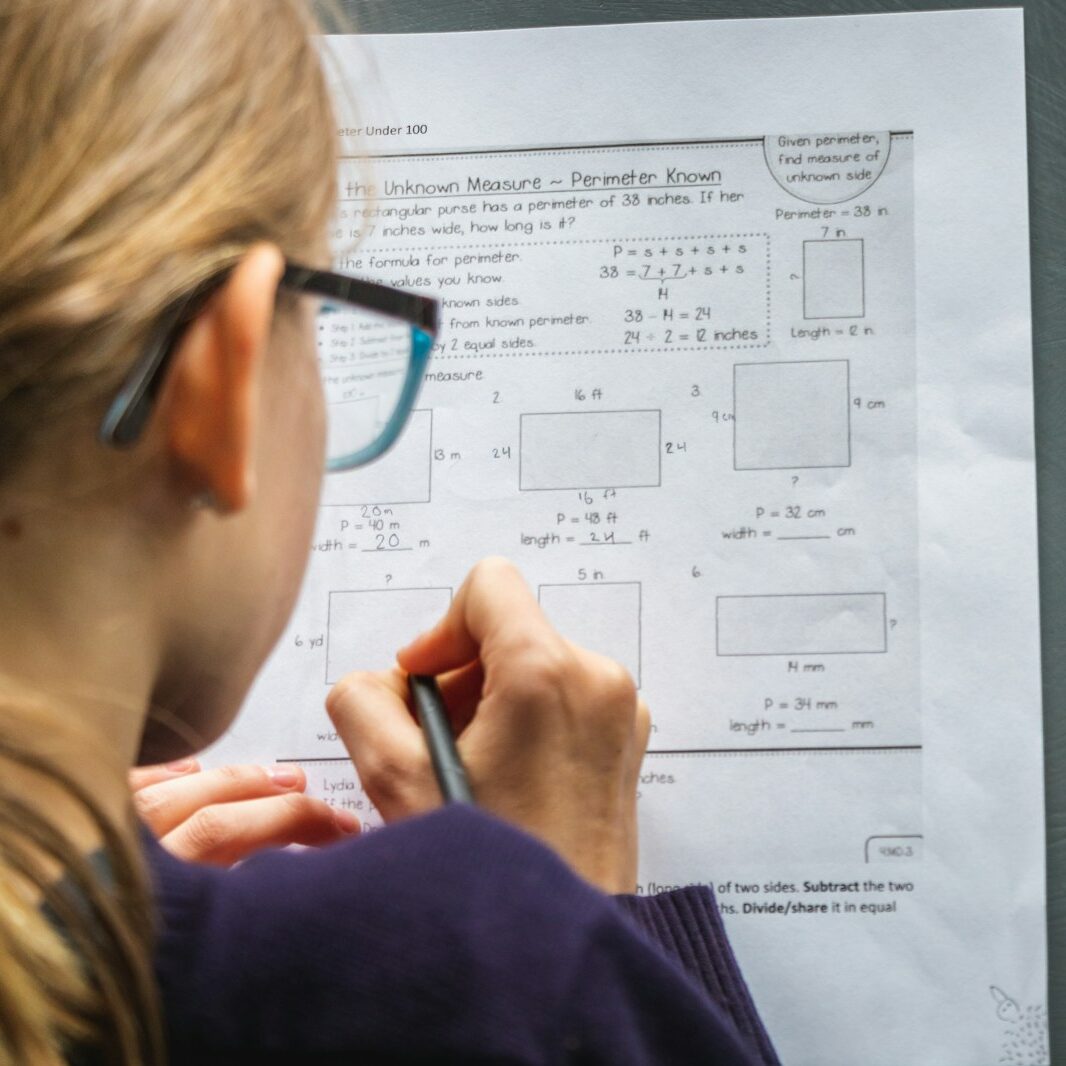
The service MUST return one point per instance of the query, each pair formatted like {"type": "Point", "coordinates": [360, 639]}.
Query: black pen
{"type": "Point", "coordinates": [433, 718]}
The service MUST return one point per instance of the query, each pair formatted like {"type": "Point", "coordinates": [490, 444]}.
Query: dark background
{"type": "Point", "coordinates": [1045, 55]}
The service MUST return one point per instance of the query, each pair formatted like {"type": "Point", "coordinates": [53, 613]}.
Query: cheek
{"type": "Point", "coordinates": [292, 455]}
{"type": "Point", "coordinates": [306, 458]}
{"type": "Point", "coordinates": [310, 432]}
{"type": "Point", "coordinates": [297, 439]}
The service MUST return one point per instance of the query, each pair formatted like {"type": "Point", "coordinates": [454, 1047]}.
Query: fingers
{"type": "Point", "coordinates": [166, 803]}
{"type": "Point", "coordinates": [371, 715]}
{"type": "Point", "coordinates": [643, 728]}
{"type": "Point", "coordinates": [641, 734]}
{"type": "Point", "coordinates": [461, 691]}
{"type": "Point", "coordinates": [371, 709]}
{"type": "Point", "coordinates": [143, 776]}
{"type": "Point", "coordinates": [227, 832]}
{"type": "Point", "coordinates": [493, 604]}
{"type": "Point", "coordinates": [223, 815]}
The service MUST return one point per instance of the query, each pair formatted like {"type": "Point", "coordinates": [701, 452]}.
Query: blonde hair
{"type": "Point", "coordinates": [145, 145]}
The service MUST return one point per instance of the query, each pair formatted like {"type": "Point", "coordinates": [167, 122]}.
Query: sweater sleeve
{"type": "Point", "coordinates": [447, 938]}
{"type": "Point", "coordinates": [686, 925]}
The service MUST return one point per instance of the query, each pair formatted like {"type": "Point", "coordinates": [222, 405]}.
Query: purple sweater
{"type": "Point", "coordinates": [447, 938]}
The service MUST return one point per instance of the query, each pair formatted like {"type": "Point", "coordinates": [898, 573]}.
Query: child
{"type": "Point", "coordinates": [166, 179]}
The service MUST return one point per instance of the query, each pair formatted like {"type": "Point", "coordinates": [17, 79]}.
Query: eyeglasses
{"type": "Point", "coordinates": [373, 346]}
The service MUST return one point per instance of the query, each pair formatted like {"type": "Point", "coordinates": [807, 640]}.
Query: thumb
{"type": "Point", "coordinates": [372, 718]}
{"type": "Point", "coordinates": [493, 611]}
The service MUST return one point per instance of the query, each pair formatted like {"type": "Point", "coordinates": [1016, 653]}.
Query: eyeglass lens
{"type": "Point", "coordinates": [364, 359]}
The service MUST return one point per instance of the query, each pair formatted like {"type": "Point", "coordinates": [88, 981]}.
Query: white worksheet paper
{"type": "Point", "coordinates": [735, 365]}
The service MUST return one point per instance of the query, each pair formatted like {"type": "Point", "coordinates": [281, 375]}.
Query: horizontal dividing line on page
{"type": "Point", "coordinates": [329, 758]}
{"type": "Point", "coordinates": [695, 751]}
{"type": "Point", "coordinates": [507, 245]}
{"type": "Point", "coordinates": [843, 749]}
{"type": "Point", "coordinates": [558, 149]}
{"type": "Point", "coordinates": [566, 149]}
{"type": "Point", "coordinates": [618, 351]}
{"type": "Point", "coordinates": [522, 192]}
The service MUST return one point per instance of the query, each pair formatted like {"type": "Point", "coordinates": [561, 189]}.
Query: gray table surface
{"type": "Point", "coordinates": [1045, 49]}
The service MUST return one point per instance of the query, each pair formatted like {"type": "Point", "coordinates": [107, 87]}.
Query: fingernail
{"type": "Point", "coordinates": [345, 821]}
{"type": "Point", "coordinates": [284, 776]}
{"type": "Point", "coordinates": [181, 766]}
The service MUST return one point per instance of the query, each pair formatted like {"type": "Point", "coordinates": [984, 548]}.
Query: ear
{"type": "Point", "coordinates": [212, 400]}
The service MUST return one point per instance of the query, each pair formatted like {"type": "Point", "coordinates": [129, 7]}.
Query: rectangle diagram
{"type": "Point", "coordinates": [603, 617]}
{"type": "Point", "coordinates": [404, 474]}
{"type": "Point", "coordinates": [829, 623]}
{"type": "Point", "coordinates": [590, 450]}
{"type": "Point", "coordinates": [791, 416]}
{"type": "Point", "coordinates": [366, 627]}
{"type": "Point", "coordinates": [834, 279]}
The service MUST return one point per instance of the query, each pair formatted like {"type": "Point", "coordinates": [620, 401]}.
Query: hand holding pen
{"type": "Point", "coordinates": [551, 735]}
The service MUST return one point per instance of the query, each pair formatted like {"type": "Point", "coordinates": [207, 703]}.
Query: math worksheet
{"type": "Point", "coordinates": [735, 364]}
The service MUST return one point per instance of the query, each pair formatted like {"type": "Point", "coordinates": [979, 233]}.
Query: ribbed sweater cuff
{"type": "Point", "coordinates": [685, 923]}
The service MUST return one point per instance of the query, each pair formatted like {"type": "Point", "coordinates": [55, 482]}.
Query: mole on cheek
{"type": "Point", "coordinates": [10, 528]}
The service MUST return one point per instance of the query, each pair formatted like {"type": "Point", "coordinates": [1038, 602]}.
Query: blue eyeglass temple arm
{"type": "Point", "coordinates": [128, 412]}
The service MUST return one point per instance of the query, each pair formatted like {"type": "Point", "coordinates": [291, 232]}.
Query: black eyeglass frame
{"type": "Point", "coordinates": [128, 413]}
